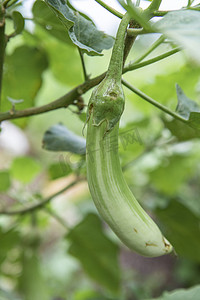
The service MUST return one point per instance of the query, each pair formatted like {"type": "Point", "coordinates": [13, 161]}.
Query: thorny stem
{"type": "Point", "coordinates": [153, 102]}
{"type": "Point", "coordinates": [110, 9]}
{"type": "Point", "coordinates": [42, 203]}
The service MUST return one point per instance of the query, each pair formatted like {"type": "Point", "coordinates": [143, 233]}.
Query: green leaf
{"type": "Point", "coordinates": [185, 105]}
{"type": "Point", "coordinates": [18, 22]}
{"type": "Point", "coordinates": [97, 254]}
{"type": "Point", "coordinates": [64, 62]}
{"type": "Point", "coordinates": [31, 282]}
{"type": "Point", "coordinates": [186, 76]}
{"type": "Point", "coordinates": [59, 138]}
{"type": "Point", "coordinates": [9, 239]}
{"type": "Point", "coordinates": [182, 131]}
{"type": "Point", "coordinates": [183, 28]}
{"type": "Point", "coordinates": [58, 170]}
{"type": "Point", "coordinates": [25, 169]}
{"type": "Point", "coordinates": [89, 295]}
{"type": "Point", "coordinates": [4, 180]}
{"type": "Point", "coordinates": [182, 229]}
{"type": "Point", "coordinates": [83, 117]}
{"type": "Point", "coordinates": [82, 31]}
{"type": "Point", "coordinates": [23, 77]}
{"type": "Point", "coordinates": [47, 19]}
{"type": "Point", "coordinates": [172, 172]}
{"type": "Point", "coordinates": [194, 120]}
{"type": "Point", "coordinates": [181, 294]}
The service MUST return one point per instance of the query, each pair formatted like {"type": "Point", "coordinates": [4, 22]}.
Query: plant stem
{"type": "Point", "coordinates": [57, 218]}
{"type": "Point", "coordinates": [110, 9]}
{"type": "Point", "coordinates": [72, 95]}
{"type": "Point", "coordinates": [134, 66]}
{"type": "Point", "coordinates": [155, 4]}
{"type": "Point", "coordinates": [159, 41]}
{"type": "Point", "coordinates": [86, 77]}
{"type": "Point", "coordinates": [153, 102]}
{"type": "Point", "coordinates": [2, 45]}
{"type": "Point", "coordinates": [61, 102]}
{"type": "Point", "coordinates": [116, 62]}
{"type": "Point", "coordinates": [129, 40]}
{"type": "Point", "coordinates": [42, 203]}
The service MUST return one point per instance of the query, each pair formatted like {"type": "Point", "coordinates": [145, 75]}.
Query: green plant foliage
{"type": "Point", "coordinates": [182, 229]}
{"type": "Point", "coordinates": [18, 22]}
{"type": "Point", "coordinates": [25, 169]}
{"type": "Point", "coordinates": [23, 79]}
{"type": "Point", "coordinates": [58, 170]}
{"type": "Point", "coordinates": [186, 76]}
{"type": "Point", "coordinates": [183, 28]}
{"type": "Point", "coordinates": [182, 131]}
{"type": "Point", "coordinates": [9, 239]}
{"type": "Point", "coordinates": [185, 105]}
{"type": "Point", "coordinates": [42, 63]}
{"type": "Point", "coordinates": [46, 18]}
{"type": "Point", "coordinates": [4, 180]}
{"type": "Point", "coordinates": [31, 282]}
{"type": "Point", "coordinates": [181, 294]}
{"type": "Point", "coordinates": [82, 32]}
{"type": "Point", "coordinates": [172, 173]}
{"type": "Point", "coordinates": [98, 254]}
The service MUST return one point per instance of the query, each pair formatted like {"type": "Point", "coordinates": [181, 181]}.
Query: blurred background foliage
{"type": "Point", "coordinates": [62, 250]}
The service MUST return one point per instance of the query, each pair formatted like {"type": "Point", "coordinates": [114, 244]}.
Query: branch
{"type": "Point", "coordinates": [155, 4]}
{"type": "Point", "coordinates": [159, 41]}
{"type": "Point", "coordinates": [2, 45]}
{"type": "Point", "coordinates": [86, 77]}
{"type": "Point", "coordinates": [134, 66]}
{"type": "Point", "coordinates": [153, 102]}
{"type": "Point", "coordinates": [129, 40]}
{"type": "Point", "coordinates": [162, 13]}
{"type": "Point", "coordinates": [61, 102]}
{"type": "Point", "coordinates": [42, 203]}
{"type": "Point", "coordinates": [110, 9]}
{"type": "Point", "coordinates": [75, 93]}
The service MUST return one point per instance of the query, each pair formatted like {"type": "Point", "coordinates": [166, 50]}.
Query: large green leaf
{"type": "Point", "coordinates": [182, 229]}
{"type": "Point", "coordinates": [194, 120]}
{"type": "Point", "coordinates": [23, 77]}
{"type": "Point", "coordinates": [97, 254]}
{"type": "Point", "coordinates": [181, 294]}
{"type": "Point", "coordinates": [31, 281]}
{"type": "Point", "coordinates": [183, 28]}
{"type": "Point", "coordinates": [4, 180]}
{"type": "Point", "coordinates": [185, 105]}
{"type": "Point", "coordinates": [46, 18]}
{"type": "Point", "coordinates": [8, 239]}
{"type": "Point", "coordinates": [172, 172]}
{"type": "Point", "coordinates": [181, 131]}
{"type": "Point", "coordinates": [82, 31]}
{"type": "Point", "coordinates": [64, 62]}
{"type": "Point", "coordinates": [59, 138]}
{"type": "Point", "coordinates": [25, 168]}
{"type": "Point", "coordinates": [188, 109]}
